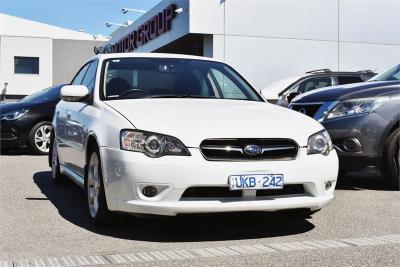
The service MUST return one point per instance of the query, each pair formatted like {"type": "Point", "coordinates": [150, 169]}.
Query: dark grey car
{"type": "Point", "coordinates": [363, 122]}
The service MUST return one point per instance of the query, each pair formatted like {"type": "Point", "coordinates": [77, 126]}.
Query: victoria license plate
{"type": "Point", "coordinates": [256, 181]}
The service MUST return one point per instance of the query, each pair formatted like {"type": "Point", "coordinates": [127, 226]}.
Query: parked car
{"type": "Point", "coordinates": [27, 123]}
{"type": "Point", "coordinates": [362, 120]}
{"type": "Point", "coordinates": [167, 134]}
{"type": "Point", "coordinates": [282, 92]}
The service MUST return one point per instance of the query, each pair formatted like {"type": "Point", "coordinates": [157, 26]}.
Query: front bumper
{"type": "Point", "coordinates": [125, 173]}
{"type": "Point", "coordinates": [13, 134]}
{"type": "Point", "coordinates": [368, 130]}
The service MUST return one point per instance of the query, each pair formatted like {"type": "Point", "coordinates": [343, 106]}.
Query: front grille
{"type": "Point", "coordinates": [235, 149]}
{"type": "Point", "coordinates": [309, 110]}
{"type": "Point", "coordinates": [208, 192]}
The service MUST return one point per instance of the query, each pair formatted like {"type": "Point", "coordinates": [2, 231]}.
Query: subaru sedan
{"type": "Point", "coordinates": [171, 134]}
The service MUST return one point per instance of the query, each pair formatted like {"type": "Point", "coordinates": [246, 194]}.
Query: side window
{"type": "Point", "coordinates": [90, 76]}
{"type": "Point", "coordinates": [79, 76]}
{"type": "Point", "coordinates": [314, 83]}
{"type": "Point", "coordinates": [228, 88]}
{"type": "Point", "coordinates": [349, 79]}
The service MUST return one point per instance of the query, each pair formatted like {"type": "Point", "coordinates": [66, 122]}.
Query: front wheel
{"type": "Point", "coordinates": [94, 187]}
{"type": "Point", "coordinates": [39, 137]}
{"type": "Point", "coordinates": [391, 159]}
{"type": "Point", "coordinates": [56, 175]}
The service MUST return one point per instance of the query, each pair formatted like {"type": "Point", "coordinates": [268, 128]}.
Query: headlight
{"type": "Point", "coordinates": [356, 107]}
{"type": "Point", "coordinates": [9, 116]}
{"type": "Point", "coordinates": [319, 143]}
{"type": "Point", "coordinates": [152, 144]}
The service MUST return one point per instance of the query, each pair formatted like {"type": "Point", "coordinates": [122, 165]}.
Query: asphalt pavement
{"type": "Point", "coordinates": [46, 225]}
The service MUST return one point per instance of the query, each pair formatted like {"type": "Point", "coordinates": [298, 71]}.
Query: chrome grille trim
{"type": "Point", "coordinates": [233, 149]}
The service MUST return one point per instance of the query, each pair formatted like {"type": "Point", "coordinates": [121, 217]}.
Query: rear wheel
{"type": "Point", "coordinates": [99, 213]}
{"type": "Point", "coordinates": [39, 137]}
{"type": "Point", "coordinates": [390, 160]}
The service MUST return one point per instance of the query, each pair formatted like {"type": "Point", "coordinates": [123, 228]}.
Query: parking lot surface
{"type": "Point", "coordinates": [42, 224]}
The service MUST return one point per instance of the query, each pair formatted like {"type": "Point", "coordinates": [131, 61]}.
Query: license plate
{"type": "Point", "coordinates": [256, 181]}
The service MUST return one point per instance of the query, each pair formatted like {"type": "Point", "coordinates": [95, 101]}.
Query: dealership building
{"type": "Point", "coordinates": [267, 40]}
{"type": "Point", "coordinates": [34, 56]}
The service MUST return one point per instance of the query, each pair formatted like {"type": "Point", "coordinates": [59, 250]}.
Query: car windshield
{"type": "Point", "coordinates": [45, 95]}
{"type": "Point", "coordinates": [392, 74]}
{"type": "Point", "coordinates": [131, 78]}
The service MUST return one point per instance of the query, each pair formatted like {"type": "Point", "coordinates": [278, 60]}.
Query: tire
{"type": "Point", "coordinates": [56, 175]}
{"type": "Point", "coordinates": [390, 160]}
{"type": "Point", "coordinates": [39, 138]}
{"type": "Point", "coordinates": [98, 212]}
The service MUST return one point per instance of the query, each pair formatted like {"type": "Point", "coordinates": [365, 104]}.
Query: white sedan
{"type": "Point", "coordinates": [170, 134]}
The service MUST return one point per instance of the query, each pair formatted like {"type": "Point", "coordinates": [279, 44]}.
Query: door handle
{"type": "Point", "coordinates": [68, 114]}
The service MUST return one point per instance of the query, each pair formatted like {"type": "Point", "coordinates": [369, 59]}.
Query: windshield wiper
{"type": "Point", "coordinates": [179, 96]}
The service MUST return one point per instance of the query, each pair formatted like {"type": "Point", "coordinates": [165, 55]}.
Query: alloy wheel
{"type": "Point", "coordinates": [93, 185]}
{"type": "Point", "coordinates": [42, 138]}
{"type": "Point", "coordinates": [54, 160]}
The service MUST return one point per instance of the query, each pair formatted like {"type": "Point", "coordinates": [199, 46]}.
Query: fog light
{"type": "Point", "coordinates": [352, 145]}
{"type": "Point", "coordinates": [328, 185]}
{"type": "Point", "coordinates": [149, 191]}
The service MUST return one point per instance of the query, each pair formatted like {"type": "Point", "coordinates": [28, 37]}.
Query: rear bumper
{"type": "Point", "coordinates": [126, 173]}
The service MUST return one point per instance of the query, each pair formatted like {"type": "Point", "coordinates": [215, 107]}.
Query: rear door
{"type": "Point", "coordinates": [313, 83]}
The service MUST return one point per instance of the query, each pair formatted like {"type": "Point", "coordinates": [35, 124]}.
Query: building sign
{"type": "Point", "coordinates": [151, 29]}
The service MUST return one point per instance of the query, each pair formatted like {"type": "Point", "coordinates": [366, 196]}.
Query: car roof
{"type": "Point", "coordinates": [150, 55]}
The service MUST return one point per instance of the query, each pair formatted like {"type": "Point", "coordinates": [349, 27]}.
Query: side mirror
{"type": "Point", "coordinates": [291, 96]}
{"type": "Point", "coordinates": [74, 93]}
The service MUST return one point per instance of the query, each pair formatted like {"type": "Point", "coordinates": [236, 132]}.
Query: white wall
{"type": "Point", "coordinates": [23, 84]}
{"type": "Point", "coordinates": [268, 40]}
{"type": "Point", "coordinates": [369, 34]}
{"type": "Point", "coordinates": [264, 60]}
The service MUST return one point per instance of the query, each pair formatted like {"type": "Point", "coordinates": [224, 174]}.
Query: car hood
{"type": "Point", "coordinates": [193, 120]}
{"type": "Point", "coordinates": [343, 92]}
{"type": "Point", "coordinates": [9, 107]}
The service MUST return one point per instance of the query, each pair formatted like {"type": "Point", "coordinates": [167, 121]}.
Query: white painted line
{"type": "Point", "coordinates": [172, 255]}
{"type": "Point", "coordinates": [216, 252]}
{"type": "Point", "coordinates": [252, 249]}
{"type": "Point", "coordinates": [21, 263]}
{"type": "Point", "coordinates": [145, 256]}
{"type": "Point", "coordinates": [159, 256]}
{"type": "Point", "coordinates": [6, 264]}
{"type": "Point", "coordinates": [280, 247]}
{"type": "Point", "coordinates": [317, 244]}
{"type": "Point", "coordinates": [185, 254]}
{"type": "Point", "coordinates": [117, 259]}
{"type": "Point", "coordinates": [264, 248]}
{"type": "Point", "coordinates": [303, 245]}
{"type": "Point", "coordinates": [336, 244]}
{"type": "Point", "coordinates": [203, 253]}
{"type": "Point", "coordinates": [168, 255]}
{"type": "Point", "coordinates": [131, 257]}
{"type": "Point", "coordinates": [228, 251]}
{"type": "Point", "coordinates": [241, 250]}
